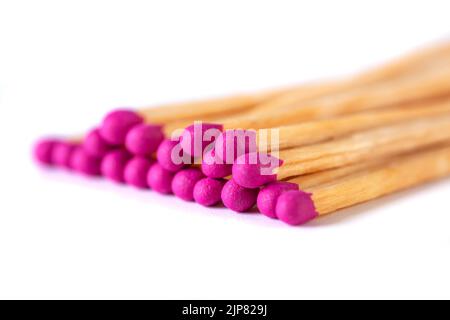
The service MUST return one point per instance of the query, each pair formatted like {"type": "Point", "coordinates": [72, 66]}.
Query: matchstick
{"type": "Point", "coordinates": [256, 169]}
{"type": "Point", "coordinates": [299, 207]}
{"type": "Point", "coordinates": [429, 84]}
{"type": "Point", "coordinates": [233, 143]}
{"type": "Point", "coordinates": [269, 194]}
{"type": "Point", "coordinates": [241, 199]}
{"type": "Point", "coordinates": [322, 130]}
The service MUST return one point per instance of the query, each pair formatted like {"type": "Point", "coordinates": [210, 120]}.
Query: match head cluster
{"type": "Point", "coordinates": [125, 149]}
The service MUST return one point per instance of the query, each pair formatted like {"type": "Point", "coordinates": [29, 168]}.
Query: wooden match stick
{"type": "Point", "coordinates": [254, 170]}
{"type": "Point", "coordinates": [298, 207]}
{"type": "Point", "coordinates": [326, 129]}
{"type": "Point", "coordinates": [327, 176]}
{"type": "Point", "coordinates": [429, 84]}
{"type": "Point", "coordinates": [269, 194]}
{"type": "Point", "coordinates": [234, 143]}
{"type": "Point", "coordinates": [195, 110]}
{"type": "Point", "coordinates": [420, 60]}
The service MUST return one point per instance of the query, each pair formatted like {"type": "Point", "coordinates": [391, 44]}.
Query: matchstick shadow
{"type": "Point", "coordinates": [151, 198]}
{"type": "Point", "coordinates": [148, 196]}
{"type": "Point", "coordinates": [371, 206]}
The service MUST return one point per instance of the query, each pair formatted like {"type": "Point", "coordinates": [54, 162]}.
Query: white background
{"type": "Point", "coordinates": [63, 64]}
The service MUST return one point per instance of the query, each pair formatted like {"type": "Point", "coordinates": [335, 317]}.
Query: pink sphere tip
{"type": "Point", "coordinates": [135, 172]}
{"type": "Point", "coordinates": [95, 145]}
{"type": "Point", "coordinates": [62, 154]}
{"type": "Point", "coordinates": [295, 207]}
{"type": "Point", "coordinates": [170, 156]}
{"type": "Point", "coordinates": [238, 198]}
{"type": "Point", "coordinates": [144, 139]}
{"type": "Point", "coordinates": [84, 163]}
{"type": "Point", "coordinates": [213, 167]}
{"type": "Point", "coordinates": [160, 179]}
{"type": "Point", "coordinates": [43, 151]}
{"type": "Point", "coordinates": [113, 165]}
{"type": "Point", "coordinates": [254, 170]}
{"type": "Point", "coordinates": [184, 181]}
{"type": "Point", "coordinates": [232, 144]}
{"type": "Point", "coordinates": [268, 196]}
{"type": "Point", "coordinates": [116, 125]}
{"type": "Point", "coordinates": [198, 136]}
{"type": "Point", "coordinates": [207, 191]}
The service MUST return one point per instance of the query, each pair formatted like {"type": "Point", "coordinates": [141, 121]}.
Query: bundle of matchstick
{"type": "Point", "coordinates": [295, 153]}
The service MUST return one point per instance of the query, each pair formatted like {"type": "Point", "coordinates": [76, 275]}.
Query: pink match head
{"type": "Point", "coordinates": [62, 153]}
{"type": "Point", "coordinates": [213, 167]}
{"type": "Point", "coordinates": [135, 173]}
{"type": "Point", "coordinates": [84, 163]}
{"type": "Point", "coordinates": [238, 198]}
{"type": "Point", "coordinates": [164, 155]}
{"type": "Point", "coordinates": [43, 151]}
{"type": "Point", "coordinates": [160, 179]}
{"type": "Point", "coordinates": [268, 196]}
{"type": "Point", "coordinates": [184, 181]}
{"type": "Point", "coordinates": [207, 191]}
{"type": "Point", "coordinates": [95, 145]}
{"type": "Point", "coordinates": [198, 136]}
{"type": "Point", "coordinates": [231, 144]}
{"type": "Point", "coordinates": [144, 139]}
{"type": "Point", "coordinates": [295, 207]}
{"type": "Point", "coordinates": [113, 165]}
{"type": "Point", "coordinates": [255, 169]}
{"type": "Point", "coordinates": [116, 125]}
